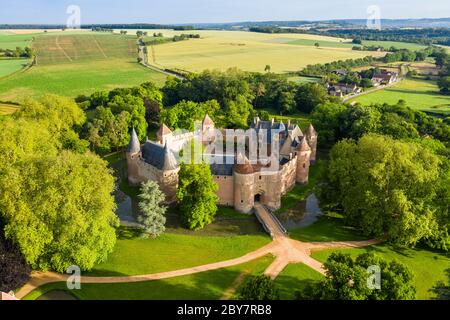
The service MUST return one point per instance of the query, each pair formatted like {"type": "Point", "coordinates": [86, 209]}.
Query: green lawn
{"type": "Point", "coordinates": [428, 266]}
{"type": "Point", "coordinates": [209, 285]}
{"type": "Point", "coordinates": [418, 94]}
{"type": "Point", "coordinates": [327, 228]}
{"type": "Point", "coordinates": [302, 119]}
{"type": "Point", "coordinates": [134, 255]}
{"type": "Point", "coordinates": [295, 277]}
{"type": "Point", "coordinates": [9, 66]}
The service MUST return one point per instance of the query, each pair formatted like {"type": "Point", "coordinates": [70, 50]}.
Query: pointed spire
{"type": "Point", "coordinates": [164, 130]}
{"type": "Point", "coordinates": [243, 165]}
{"type": "Point", "coordinates": [170, 163]}
{"type": "Point", "coordinates": [311, 131]}
{"type": "Point", "coordinates": [134, 146]}
{"type": "Point", "coordinates": [207, 121]}
{"type": "Point", "coordinates": [304, 146]}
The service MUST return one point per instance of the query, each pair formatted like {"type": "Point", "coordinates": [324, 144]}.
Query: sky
{"type": "Point", "coordinates": [213, 11]}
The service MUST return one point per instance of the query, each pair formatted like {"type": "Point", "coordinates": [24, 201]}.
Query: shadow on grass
{"type": "Point", "coordinates": [202, 286]}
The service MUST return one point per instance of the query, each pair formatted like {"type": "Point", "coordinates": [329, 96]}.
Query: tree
{"type": "Point", "coordinates": [357, 41]}
{"type": "Point", "coordinates": [444, 85]}
{"type": "Point", "coordinates": [310, 95]}
{"type": "Point", "coordinates": [441, 289]}
{"type": "Point", "coordinates": [14, 270]}
{"type": "Point", "coordinates": [59, 209]}
{"type": "Point", "coordinates": [370, 181]}
{"type": "Point", "coordinates": [317, 45]}
{"type": "Point", "coordinates": [259, 288]}
{"type": "Point", "coordinates": [267, 68]}
{"type": "Point", "coordinates": [196, 194]}
{"type": "Point", "coordinates": [347, 279]}
{"type": "Point", "coordinates": [151, 211]}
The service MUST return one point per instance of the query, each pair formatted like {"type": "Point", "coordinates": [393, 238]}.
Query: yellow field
{"type": "Point", "coordinates": [245, 50]}
{"type": "Point", "coordinates": [7, 108]}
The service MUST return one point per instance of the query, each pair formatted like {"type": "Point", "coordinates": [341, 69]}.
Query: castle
{"type": "Point", "coordinates": [241, 182]}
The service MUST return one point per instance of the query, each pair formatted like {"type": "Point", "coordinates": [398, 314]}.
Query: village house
{"type": "Point", "coordinates": [384, 77]}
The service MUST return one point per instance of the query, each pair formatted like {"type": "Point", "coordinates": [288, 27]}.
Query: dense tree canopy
{"type": "Point", "coordinates": [371, 180]}
{"type": "Point", "coordinates": [15, 272]}
{"type": "Point", "coordinates": [260, 288]}
{"type": "Point", "coordinates": [347, 279]}
{"type": "Point", "coordinates": [197, 195]}
{"type": "Point", "coordinates": [56, 204]}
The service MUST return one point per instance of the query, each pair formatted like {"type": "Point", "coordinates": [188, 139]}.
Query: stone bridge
{"type": "Point", "coordinates": [270, 222]}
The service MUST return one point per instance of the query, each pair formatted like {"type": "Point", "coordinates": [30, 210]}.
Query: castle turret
{"type": "Point", "coordinates": [163, 133]}
{"type": "Point", "coordinates": [311, 137]}
{"type": "Point", "coordinates": [133, 153]}
{"type": "Point", "coordinates": [243, 185]}
{"type": "Point", "coordinates": [303, 161]}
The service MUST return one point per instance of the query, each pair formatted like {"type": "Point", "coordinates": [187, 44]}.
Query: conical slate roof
{"type": "Point", "coordinates": [159, 156]}
{"type": "Point", "coordinates": [170, 163]}
{"type": "Point", "coordinates": [134, 146]}
{"type": "Point", "coordinates": [310, 131]}
{"type": "Point", "coordinates": [164, 130]}
{"type": "Point", "coordinates": [207, 120]}
{"type": "Point", "coordinates": [304, 146]}
{"type": "Point", "coordinates": [243, 165]}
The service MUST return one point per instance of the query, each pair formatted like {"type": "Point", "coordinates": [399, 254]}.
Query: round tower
{"type": "Point", "coordinates": [133, 155]}
{"type": "Point", "coordinates": [303, 161]}
{"type": "Point", "coordinates": [311, 137]}
{"type": "Point", "coordinates": [243, 185]}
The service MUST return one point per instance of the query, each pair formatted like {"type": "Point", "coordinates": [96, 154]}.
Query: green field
{"type": "Point", "coordinates": [9, 66]}
{"type": "Point", "coordinates": [71, 64]}
{"type": "Point", "coordinates": [418, 94]}
{"type": "Point", "coordinates": [209, 285]}
{"type": "Point", "coordinates": [134, 255]}
{"type": "Point", "coordinates": [428, 266]}
{"type": "Point", "coordinates": [12, 41]}
{"type": "Point", "coordinates": [248, 51]}
{"type": "Point", "coordinates": [348, 44]}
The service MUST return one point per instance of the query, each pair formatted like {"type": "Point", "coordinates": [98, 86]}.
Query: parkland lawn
{"type": "Point", "coordinates": [136, 256]}
{"type": "Point", "coordinates": [210, 285]}
{"type": "Point", "coordinates": [419, 94]}
{"type": "Point", "coordinates": [427, 266]}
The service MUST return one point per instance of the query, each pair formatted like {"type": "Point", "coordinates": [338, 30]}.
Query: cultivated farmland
{"type": "Point", "coordinates": [74, 63]}
{"type": "Point", "coordinates": [247, 51]}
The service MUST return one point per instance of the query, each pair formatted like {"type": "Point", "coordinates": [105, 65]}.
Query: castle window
{"type": "Point", "coordinates": [260, 178]}
{"type": "Point", "coordinates": [242, 201]}
{"type": "Point", "coordinates": [304, 165]}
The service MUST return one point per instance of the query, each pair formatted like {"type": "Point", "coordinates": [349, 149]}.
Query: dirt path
{"type": "Point", "coordinates": [285, 250]}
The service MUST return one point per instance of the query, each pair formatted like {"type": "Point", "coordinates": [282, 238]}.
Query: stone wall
{"type": "Point", "coordinates": [226, 190]}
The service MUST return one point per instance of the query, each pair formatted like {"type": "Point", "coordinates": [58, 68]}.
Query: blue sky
{"type": "Point", "coordinates": [196, 11]}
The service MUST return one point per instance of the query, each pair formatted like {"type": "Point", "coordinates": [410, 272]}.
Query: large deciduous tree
{"type": "Point", "coordinates": [349, 279]}
{"type": "Point", "coordinates": [152, 213]}
{"type": "Point", "coordinates": [259, 288]}
{"type": "Point", "coordinates": [197, 195]}
{"type": "Point", "coordinates": [386, 187]}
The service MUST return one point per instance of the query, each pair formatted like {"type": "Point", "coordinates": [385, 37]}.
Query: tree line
{"type": "Point", "coordinates": [19, 52]}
